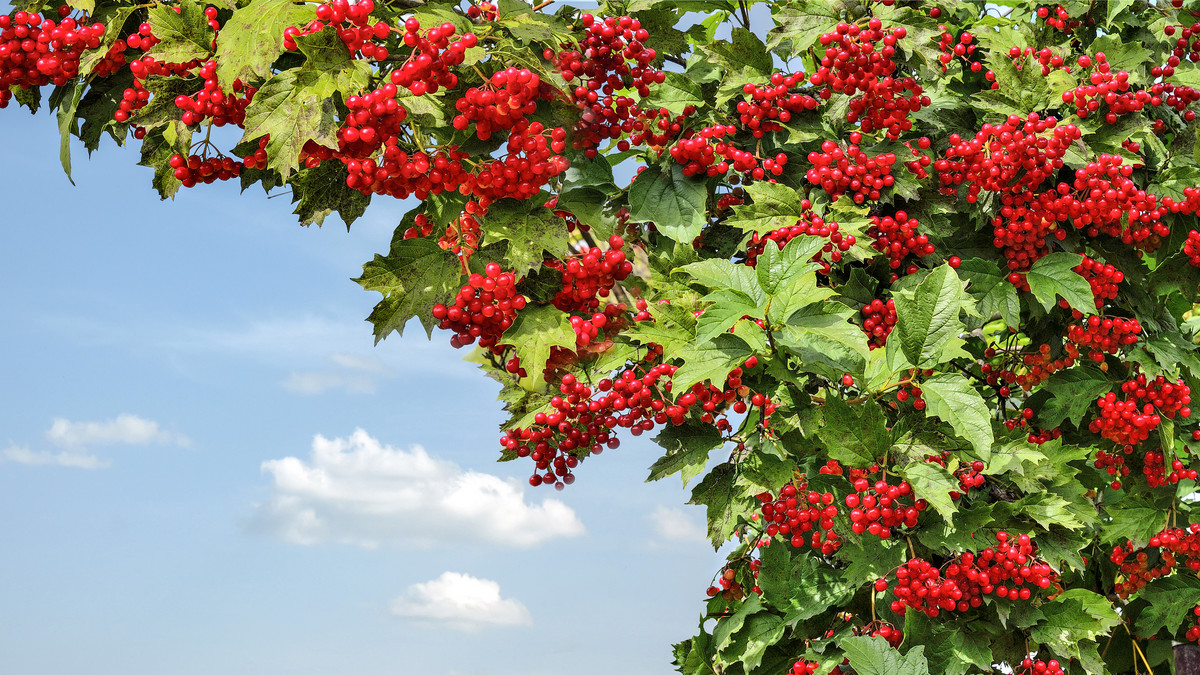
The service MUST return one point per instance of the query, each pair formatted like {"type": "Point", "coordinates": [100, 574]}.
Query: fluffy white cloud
{"type": "Point", "coordinates": [675, 524]}
{"type": "Point", "coordinates": [461, 602]}
{"type": "Point", "coordinates": [124, 430]}
{"type": "Point", "coordinates": [71, 459]}
{"type": "Point", "coordinates": [357, 491]}
{"type": "Point", "coordinates": [352, 374]}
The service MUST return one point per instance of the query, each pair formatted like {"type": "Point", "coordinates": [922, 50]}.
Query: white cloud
{"type": "Point", "coordinates": [70, 459]}
{"type": "Point", "coordinates": [676, 524]}
{"type": "Point", "coordinates": [123, 430]}
{"type": "Point", "coordinates": [357, 491]}
{"type": "Point", "coordinates": [354, 375]}
{"type": "Point", "coordinates": [461, 602]}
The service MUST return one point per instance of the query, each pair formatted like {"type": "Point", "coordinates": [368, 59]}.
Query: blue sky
{"type": "Point", "coordinates": [170, 369]}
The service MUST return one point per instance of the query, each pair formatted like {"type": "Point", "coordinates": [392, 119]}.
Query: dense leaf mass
{"type": "Point", "coordinates": [906, 287]}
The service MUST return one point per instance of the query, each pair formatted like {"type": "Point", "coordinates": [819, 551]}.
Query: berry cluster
{"type": "Point", "coordinates": [1103, 335]}
{"type": "Point", "coordinates": [590, 276]}
{"type": "Point", "coordinates": [1113, 205]}
{"type": "Point", "coordinates": [1107, 87]}
{"type": "Point", "coordinates": [860, 60]}
{"type": "Point", "coordinates": [1009, 569]}
{"type": "Point", "coordinates": [1191, 248]}
{"type": "Point", "coordinates": [1010, 158]}
{"type": "Point", "coordinates": [896, 237]}
{"type": "Point", "coordinates": [1164, 552]}
{"type": "Point", "coordinates": [803, 667]}
{"type": "Point", "coordinates": [1102, 277]}
{"type": "Point", "coordinates": [810, 224]}
{"type": "Point", "coordinates": [354, 28]}
{"type": "Point", "coordinates": [1154, 466]}
{"type": "Point", "coordinates": [483, 309]}
{"type": "Point", "coordinates": [773, 104]}
{"type": "Point", "coordinates": [1129, 421]}
{"type": "Point", "coordinates": [1058, 18]}
{"type": "Point", "coordinates": [35, 51]}
{"type": "Point", "coordinates": [879, 318]}
{"type": "Point", "coordinates": [511, 96]}
{"type": "Point", "coordinates": [1023, 367]}
{"type": "Point", "coordinates": [211, 102]}
{"type": "Point", "coordinates": [610, 57]}
{"type": "Point", "coordinates": [970, 476]}
{"type": "Point", "coordinates": [839, 172]}
{"type": "Point", "coordinates": [1030, 667]}
{"type": "Point", "coordinates": [195, 169]}
{"type": "Point", "coordinates": [1187, 45]}
{"type": "Point", "coordinates": [427, 69]}
{"type": "Point", "coordinates": [878, 507]}
{"type": "Point", "coordinates": [803, 516]}
{"type": "Point", "coordinates": [964, 48]}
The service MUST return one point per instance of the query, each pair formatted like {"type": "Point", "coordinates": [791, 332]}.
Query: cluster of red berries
{"type": "Point", "coordinates": [511, 96]}
{"type": "Point", "coordinates": [427, 69]}
{"type": "Point", "coordinates": [850, 171]}
{"type": "Point", "coordinates": [1030, 667]}
{"type": "Point", "coordinates": [729, 588]}
{"type": "Point", "coordinates": [1154, 467]}
{"type": "Point", "coordinates": [879, 318]}
{"type": "Point", "coordinates": [1013, 157]}
{"type": "Point", "coordinates": [461, 235]}
{"type": "Point", "coordinates": [910, 391]}
{"type": "Point", "coordinates": [1187, 45]}
{"type": "Point", "coordinates": [1107, 87]}
{"type": "Point", "coordinates": [964, 48]}
{"type": "Point", "coordinates": [810, 224]}
{"type": "Point", "coordinates": [878, 507]}
{"type": "Point", "coordinates": [803, 667]}
{"type": "Point", "coordinates": [970, 475]}
{"type": "Point", "coordinates": [803, 516]}
{"type": "Point", "coordinates": [371, 119]}
{"type": "Point", "coordinates": [1103, 335]}
{"type": "Point", "coordinates": [1191, 248]}
{"type": "Point", "coordinates": [896, 237]}
{"type": "Point", "coordinates": [591, 276]}
{"type": "Point", "coordinates": [1102, 277]}
{"type": "Point", "coordinates": [354, 28]}
{"type": "Point", "coordinates": [610, 57]}
{"type": "Point", "coordinates": [1129, 421]}
{"type": "Point", "coordinates": [195, 169]}
{"type": "Point", "coordinates": [860, 60]}
{"type": "Point", "coordinates": [213, 103]}
{"type": "Point", "coordinates": [1159, 558]}
{"type": "Point", "coordinates": [1058, 18]}
{"type": "Point", "coordinates": [1023, 367]}
{"type": "Point", "coordinates": [483, 309]}
{"type": "Point", "coordinates": [700, 154]}
{"type": "Point", "coordinates": [773, 104]}
{"type": "Point", "coordinates": [1112, 204]}
{"type": "Point", "coordinates": [1009, 569]}
{"type": "Point", "coordinates": [1113, 463]}
{"type": "Point", "coordinates": [137, 97]}
{"type": "Point", "coordinates": [35, 50]}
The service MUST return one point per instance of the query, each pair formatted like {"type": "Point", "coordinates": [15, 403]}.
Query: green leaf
{"type": "Point", "coordinates": [720, 274]}
{"type": "Point", "coordinates": [1075, 616]}
{"type": "Point", "coordinates": [744, 50]}
{"type": "Point", "coordinates": [1075, 391]}
{"type": "Point", "coordinates": [802, 24]}
{"type": "Point", "coordinates": [1134, 519]}
{"type": "Point", "coordinates": [534, 332]}
{"type": "Point", "coordinates": [160, 143]}
{"type": "Point", "coordinates": [781, 269]}
{"type": "Point", "coordinates": [825, 343]}
{"type": "Point", "coordinates": [716, 492]}
{"type": "Point", "coordinates": [113, 19]}
{"type": "Point", "coordinates": [183, 35]}
{"type": "Point", "coordinates": [672, 201]}
{"type": "Point", "coordinates": [772, 206]}
{"type": "Point", "coordinates": [67, 125]}
{"type": "Point", "coordinates": [322, 190]}
{"type": "Point", "coordinates": [951, 397]}
{"type": "Point", "coordinates": [750, 643]}
{"type": "Point", "coordinates": [711, 361]}
{"type": "Point", "coordinates": [927, 322]}
{"type": "Point", "coordinates": [675, 93]}
{"type": "Point", "coordinates": [415, 275]}
{"type": "Point", "coordinates": [1171, 599]}
{"type": "Point", "coordinates": [687, 446]}
{"type": "Point", "coordinates": [874, 656]}
{"type": "Point", "coordinates": [297, 106]}
{"type": "Point", "coordinates": [799, 585]}
{"type": "Point", "coordinates": [990, 288]}
{"type": "Point", "coordinates": [726, 309]}
{"type": "Point", "coordinates": [532, 230]}
{"type": "Point", "coordinates": [933, 483]}
{"type": "Point", "coordinates": [1054, 276]}
{"type": "Point", "coordinates": [252, 39]}
{"type": "Point", "coordinates": [855, 435]}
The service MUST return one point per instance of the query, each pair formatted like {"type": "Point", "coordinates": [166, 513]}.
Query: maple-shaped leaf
{"type": "Point", "coordinates": [252, 39]}
{"type": "Point", "coordinates": [183, 36]}
{"type": "Point", "coordinates": [415, 275]}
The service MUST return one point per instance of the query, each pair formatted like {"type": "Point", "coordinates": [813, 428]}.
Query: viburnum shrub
{"type": "Point", "coordinates": [904, 288]}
